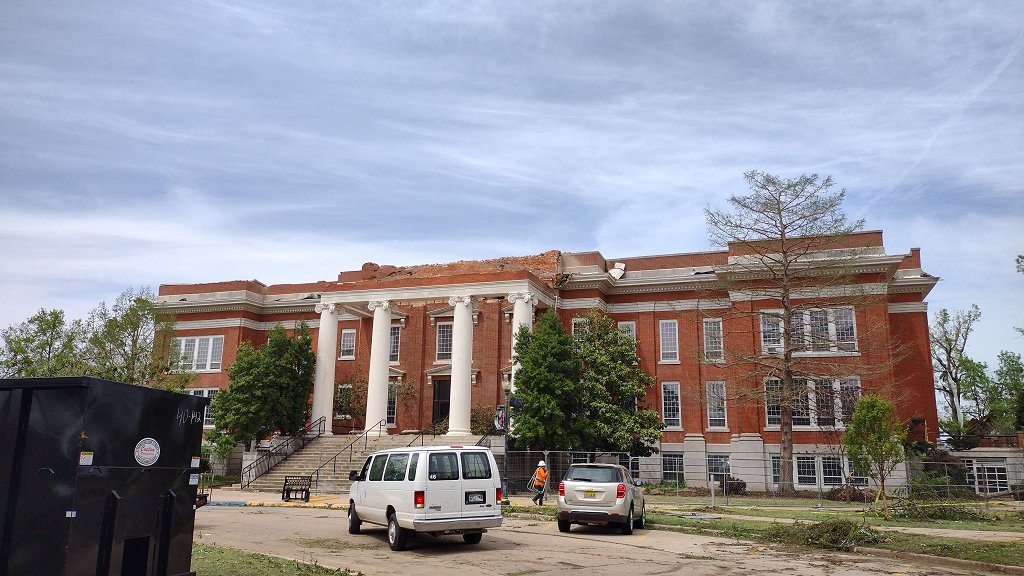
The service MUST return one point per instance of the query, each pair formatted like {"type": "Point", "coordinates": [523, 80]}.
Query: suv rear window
{"type": "Point", "coordinates": [475, 466]}
{"type": "Point", "coordinates": [395, 470]}
{"type": "Point", "coordinates": [443, 466]}
{"type": "Point", "coordinates": [592, 474]}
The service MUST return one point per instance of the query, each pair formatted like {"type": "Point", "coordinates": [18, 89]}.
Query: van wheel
{"type": "Point", "coordinates": [473, 538]}
{"type": "Point", "coordinates": [397, 536]}
{"type": "Point", "coordinates": [627, 527]}
{"type": "Point", "coordinates": [564, 525]}
{"type": "Point", "coordinates": [353, 519]}
{"type": "Point", "coordinates": [641, 522]}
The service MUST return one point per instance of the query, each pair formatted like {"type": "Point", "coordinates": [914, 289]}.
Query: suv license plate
{"type": "Point", "coordinates": [589, 493]}
{"type": "Point", "coordinates": [476, 498]}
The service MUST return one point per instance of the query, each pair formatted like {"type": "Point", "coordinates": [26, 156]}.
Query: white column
{"type": "Point", "coordinates": [326, 362]}
{"type": "Point", "coordinates": [380, 350]}
{"type": "Point", "coordinates": [522, 315]}
{"type": "Point", "coordinates": [462, 365]}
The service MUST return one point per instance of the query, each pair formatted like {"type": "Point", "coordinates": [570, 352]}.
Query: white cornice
{"type": "Point", "coordinates": [837, 291]}
{"type": "Point", "coordinates": [241, 323]}
{"type": "Point", "coordinates": [901, 307]}
{"type": "Point", "coordinates": [649, 306]}
{"type": "Point", "coordinates": [581, 304]}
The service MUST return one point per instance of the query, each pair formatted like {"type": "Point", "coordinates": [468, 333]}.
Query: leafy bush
{"type": "Point", "coordinates": [481, 419]}
{"type": "Point", "coordinates": [917, 510]}
{"type": "Point", "coordinates": [733, 486]}
{"type": "Point", "coordinates": [839, 534]}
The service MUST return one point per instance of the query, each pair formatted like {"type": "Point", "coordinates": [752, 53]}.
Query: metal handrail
{"type": "Point", "coordinates": [432, 431]}
{"type": "Point", "coordinates": [379, 426]}
{"type": "Point", "coordinates": [278, 453]}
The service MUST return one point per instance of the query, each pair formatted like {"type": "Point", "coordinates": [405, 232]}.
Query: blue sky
{"type": "Point", "coordinates": [174, 142]}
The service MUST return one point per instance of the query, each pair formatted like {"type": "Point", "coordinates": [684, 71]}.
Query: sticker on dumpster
{"type": "Point", "coordinates": [193, 479]}
{"type": "Point", "coordinates": [147, 452]}
{"type": "Point", "coordinates": [195, 461]}
{"type": "Point", "coordinates": [85, 459]}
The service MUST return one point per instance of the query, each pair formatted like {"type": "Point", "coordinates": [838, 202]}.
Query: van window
{"type": "Point", "coordinates": [412, 466]}
{"type": "Point", "coordinates": [443, 466]}
{"type": "Point", "coordinates": [395, 470]}
{"type": "Point", "coordinates": [366, 468]}
{"type": "Point", "coordinates": [377, 468]}
{"type": "Point", "coordinates": [475, 466]}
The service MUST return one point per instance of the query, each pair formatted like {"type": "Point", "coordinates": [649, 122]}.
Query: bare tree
{"type": "Point", "coordinates": [949, 335]}
{"type": "Point", "coordinates": [789, 244]}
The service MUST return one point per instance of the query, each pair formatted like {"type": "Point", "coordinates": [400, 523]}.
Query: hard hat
{"type": "Point", "coordinates": [541, 464]}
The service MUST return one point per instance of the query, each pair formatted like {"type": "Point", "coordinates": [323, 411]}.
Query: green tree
{"type": "Point", "coordinates": [269, 390]}
{"type": "Point", "coordinates": [991, 398]}
{"type": "Point", "coordinates": [874, 441]}
{"type": "Point", "coordinates": [948, 335]}
{"type": "Point", "coordinates": [548, 385]}
{"type": "Point", "coordinates": [614, 388]}
{"type": "Point", "coordinates": [44, 345]}
{"type": "Point", "coordinates": [129, 342]}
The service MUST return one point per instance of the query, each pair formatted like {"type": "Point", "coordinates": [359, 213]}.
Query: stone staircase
{"type": "Point", "coordinates": [333, 479]}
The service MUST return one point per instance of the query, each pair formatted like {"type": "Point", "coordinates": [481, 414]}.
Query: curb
{"type": "Point", "coordinates": [941, 560]}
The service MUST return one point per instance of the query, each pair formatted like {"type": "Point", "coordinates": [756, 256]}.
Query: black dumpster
{"type": "Point", "coordinates": [97, 477]}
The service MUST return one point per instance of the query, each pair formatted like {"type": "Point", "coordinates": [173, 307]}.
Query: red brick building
{"type": "Point", "coordinates": [444, 334]}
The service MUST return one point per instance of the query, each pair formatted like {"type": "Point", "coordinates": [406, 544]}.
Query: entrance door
{"type": "Point", "coordinates": [442, 399]}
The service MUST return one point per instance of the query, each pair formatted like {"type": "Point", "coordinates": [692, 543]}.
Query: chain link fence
{"type": "Point", "coordinates": [824, 479]}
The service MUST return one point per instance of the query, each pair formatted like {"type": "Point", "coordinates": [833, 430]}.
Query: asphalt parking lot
{"type": "Point", "coordinates": [521, 546]}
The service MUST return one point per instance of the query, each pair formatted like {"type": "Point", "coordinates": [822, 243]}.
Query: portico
{"type": "Point", "coordinates": [525, 294]}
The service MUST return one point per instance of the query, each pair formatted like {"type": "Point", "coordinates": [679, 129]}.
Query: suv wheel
{"type": "Point", "coordinates": [472, 538]}
{"type": "Point", "coordinates": [353, 519]}
{"type": "Point", "coordinates": [627, 527]}
{"type": "Point", "coordinates": [563, 525]}
{"type": "Point", "coordinates": [397, 536]}
{"type": "Point", "coordinates": [641, 522]}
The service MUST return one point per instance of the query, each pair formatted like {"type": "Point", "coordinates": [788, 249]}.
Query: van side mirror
{"type": "Point", "coordinates": [353, 476]}
{"type": "Point", "coordinates": [639, 482]}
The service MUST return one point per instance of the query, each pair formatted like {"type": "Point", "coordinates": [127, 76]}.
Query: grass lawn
{"type": "Point", "coordinates": [1007, 553]}
{"type": "Point", "coordinates": [217, 561]}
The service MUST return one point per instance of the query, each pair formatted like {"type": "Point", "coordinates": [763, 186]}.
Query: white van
{"type": "Point", "coordinates": [428, 489]}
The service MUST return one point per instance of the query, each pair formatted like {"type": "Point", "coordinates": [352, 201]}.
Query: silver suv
{"type": "Point", "coordinates": [600, 494]}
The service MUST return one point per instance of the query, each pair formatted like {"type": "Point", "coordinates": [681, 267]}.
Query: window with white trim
{"type": "Point", "coordinates": [812, 331]}
{"type": "Point", "coordinates": [714, 349]}
{"type": "Point", "coordinates": [392, 403]}
{"type": "Point", "coordinates": [628, 329]}
{"type": "Point", "coordinates": [821, 403]}
{"type": "Point", "coordinates": [716, 405]}
{"type": "Point", "coordinates": [348, 344]}
{"type": "Point", "coordinates": [444, 341]}
{"type": "Point", "coordinates": [831, 471]}
{"type": "Point", "coordinates": [205, 393]}
{"type": "Point", "coordinates": [672, 467]}
{"type": "Point", "coordinates": [857, 477]}
{"type": "Point", "coordinates": [197, 353]}
{"type": "Point", "coordinates": [776, 469]}
{"type": "Point", "coordinates": [579, 327]}
{"type": "Point", "coordinates": [671, 409]}
{"type": "Point", "coordinates": [668, 331]}
{"type": "Point", "coordinates": [807, 470]}
{"type": "Point", "coordinates": [396, 340]}
{"type": "Point", "coordinates": [987, 475]}
{"type": "Point", "coordinates": [718, 467]}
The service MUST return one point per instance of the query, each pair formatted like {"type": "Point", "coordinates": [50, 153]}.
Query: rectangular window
{"type": "Point", "coordinates": [825, 402]}
{"type": "Point", "coordinates": [199, 353]}
{"type": "Point", "coordinates": [672, 467]}
{"type": "Point", "coordinates": [348, 344]}
{"type": "Point", "coordinates": [668, 331]}
{"type": "Point", "coordinates": [671, 409]}
{"type": "Point", "coordinates": [392, 403]}
{"type": "Point", "coordinates": [628, 329]}
{"type": "Point", "coordinates": [801, 403]}
{"type": "Point", "coordinates": [413, 465]}
{"type": "Point", "coordinates": [396, 340]}
{"type": "Point", "coordinates": [444, 340]}
{"type": "Point", "coordinates": [773, 402]}
{"type": "Point", "coordinates": [776, 469]}
{"type": "Point", "coordinates": [771, 333]}
{"type": "Point", "coordinates": [205, 393]}
{"type": "Point", "coordinates": [395, 469]}
{"type": "Point", "coordinates": [857, 477]}
{"type": "Point", "coordinates": [987, 475]}
{"type": "Point", "coordinates": [846, 329]}
{"type": "Point", "coordinates": [718, 467]}
{"type": "Point", "coordinates": [817, 330]}
{"type": "Point", "coordinates": [849, 392]}
{"type": "Point", "coordinates": [631, 463]}
{"type": "Point", "coordinates": [807, 470]}
{"type": "Point", "coordinates": [831, 471]}
{"type": "Point", "coordinates": [377, 468]}
{"type": "Point", "coordinates": [713, 344]}
{"type": "Point", "coordinates": [475, 466]}
{"type": "Point", "coordinates": [443, 466]}
{"type": "Point", "coordinates": [716, 405]}
{"type": "Point", "coordinates": [579, 327]}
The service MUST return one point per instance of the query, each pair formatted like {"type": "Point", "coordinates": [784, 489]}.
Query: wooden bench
{"type": "Point", "coordinates": [295, 487]}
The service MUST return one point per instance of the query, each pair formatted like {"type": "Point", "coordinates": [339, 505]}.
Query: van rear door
{"type": "Point", "coordinates": [443, 498]}
{"type": "Point", "coordinates": [479, 478]}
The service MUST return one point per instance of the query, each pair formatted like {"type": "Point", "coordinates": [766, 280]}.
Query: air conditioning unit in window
{"type": "Point", "coordinates": [773, 349]}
